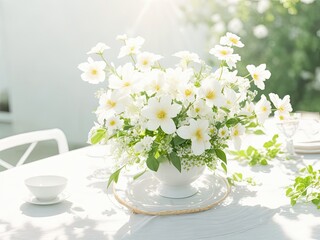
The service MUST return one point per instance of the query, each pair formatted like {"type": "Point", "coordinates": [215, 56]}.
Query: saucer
{"type": "Point", "coordinates": [32, 199]}
{"type": "Point", "coordinates": [141, 195]}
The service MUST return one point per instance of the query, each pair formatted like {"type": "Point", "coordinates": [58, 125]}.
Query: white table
{"type": "Point", "coordinates": [91, 212]}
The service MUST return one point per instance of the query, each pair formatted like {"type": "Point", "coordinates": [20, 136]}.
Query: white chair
{"type": "Point", "coordinates": [32, 138]}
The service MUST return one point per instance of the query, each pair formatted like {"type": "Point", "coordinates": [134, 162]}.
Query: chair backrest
{"type": "Point", "coordinates": [32, 138]}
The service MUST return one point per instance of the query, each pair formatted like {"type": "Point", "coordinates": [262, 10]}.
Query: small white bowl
{"type": "Point", "coordinates": [47, 187]}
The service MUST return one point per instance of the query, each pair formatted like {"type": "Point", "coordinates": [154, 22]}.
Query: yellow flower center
{"type": "Point", "coordinates": [161, 114]}
{"type": "Point", "coordinates": [197, 109]}
{"type": "Point", "coordinates": [157, 87]}
{"type": "Point", "coordinates": [126, 84]}
{"type": "Point", "coordinates": [224, 52]}
{"type": "Point", "coordinates": [281, 109]}
{"type": "Point", "coordinates": [223, 132]}
{"type": "Point", "coordinates": [112, 123]}
{"type": "Point", "coordinates": [187, 92]}
{"type": "Point", "coordinates": [94, 72]}
{"type": "Point", "coordinates": [264, 109]}
{"type": "Point", "coordinates": [145, 62]}
{"type": "Point", "coordinates": [255, 76]}
{"type": "Point", "coordinates": [228, 102]}
{"type": "Point", "coordinates": [211, 95]}
{"type": "Point", "coordinates": [198, 134]}
{"type": "Point", "coordinates": [236, 133]}
{"type": "Point", "coordinates": [234, 40]}
{"type": "Point", "coordinates": [281, 117]}
{"type": "Point", "coordinates": [111, 103]}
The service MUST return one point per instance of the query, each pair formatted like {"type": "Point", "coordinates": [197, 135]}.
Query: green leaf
{"type": "Point", "coordinates": [250, 150]}
{"type": "Point", "coordinates": [221, 155]}
{"type": "Point", "coordinates": [259, 132]}
{"type": "Point", "coordinates": [176, 161]}
{"type": "Point", "coordinates": [114, 177]}
{"type": "Point", "coordinates": [178, 140]}
{"type": "Point", "coordinates": [224, 166]}
{"type": "Point", "coordinates": [98, 135]}
{"type": "Point", "coordinates": [135, 177]}
{"type": "Point", "coordinates": [152, 163]}
{"type": "Point", "coordinates": [232, 122]}
{"type": "Point", "coordinates": [268, 144]}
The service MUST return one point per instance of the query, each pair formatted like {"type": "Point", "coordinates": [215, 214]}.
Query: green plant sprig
{"type": "Point", "coordinates": [271, 149]}
{"type": "Point", "coordinates": [238, 177]}
{"type": "Point", "coordinates": [306, 187]}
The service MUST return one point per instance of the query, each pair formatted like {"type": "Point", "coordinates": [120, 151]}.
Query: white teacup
{"type": "Point", "coordinates": [47, 187]}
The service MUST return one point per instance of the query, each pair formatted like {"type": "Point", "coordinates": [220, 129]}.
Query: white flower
{"type": "Point", "coordinates": [283, 106]}
{"type": "Point", "coordinates": [231, 40]}
{"type": "Point", "coordinates": [98, 49]}
{"type": "Point", "coordinates": [146, 60]}
{"type": "Point", "coordinates": [231, 98]}
{"type": "Point", "coordinates": [176, 77]}
{"type": "Point", "coordinates": [223, 132]}
{"type": "Point", "coordinates": [93, 71]}
{"type": "Point", "coordinates": [210, 90]}
{"type": "Point", "coordinates": [226, 54]}
{"type": "Point", "coordinates": [132, 46]}
{"type": "Point", "coordinates": [200, 108]}
{"type": "Point", "coordinates": [186, 58]}
{"type": "Point", "coordinates": [160, 113]}
{"type": "Point", "coordinates": [248, 109]}
{"type": "Point", "coordinates": [235, 25]}
{"type": "Point", "coordinates": [263, 5]}
{"type": "Point", "coordinates": [144, 145]}
{"type": "Point", "coordinates": [128, 81]}
{"type": "Point", "coordinates": [260, 31]}
{"type": "Point", "coordinates": [154, 82]}
{"type": "Point", "coordinates": [197, 131]}
{"type": "Point", "coordinates": [235, 134]}
{"type": "Point", "coordinates": [186, 92]}
{"type": "Point", "coordinates": [112, 101]}
{"type": "Point", "coordinates": [282, 115]}
{"type": "Point", "coordinates": [113, 123]}
{"type": "Point", "coordinates": [262, 109]}
{"type": "Point", "coordinates": [259, 74]}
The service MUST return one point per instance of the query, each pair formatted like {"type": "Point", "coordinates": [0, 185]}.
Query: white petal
{"type": "Point", "coordinates": [168, 126]}
{"type": "Point", "coordinates": [198, 147]}
{"type": "Point", "coordinates": [184, 132]}
{"type": "Point", "coordinates": [153, 125]}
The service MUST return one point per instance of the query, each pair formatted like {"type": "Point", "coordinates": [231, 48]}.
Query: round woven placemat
{"type": "Point", "coordinates": [137, 210]}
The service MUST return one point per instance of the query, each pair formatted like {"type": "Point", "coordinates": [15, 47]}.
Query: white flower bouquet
{"type": "Point", "coordinates": [185, 115]}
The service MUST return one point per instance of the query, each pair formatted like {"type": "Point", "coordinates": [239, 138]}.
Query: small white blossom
{"type": "Point", "coordinates": [160, 113]}
{"type": "Point", "coordinates": [283, 106]}
{"type": "Point", "coordinates": [259, 75]}
{"type": "Point", "coordinates": [200, 108]}
{"type": "Point", "coordinates": [131, 47]}
{"type": "Point", "coordinates": [210, 90]}
{"type": "Point", "coordinates": [123, 37]}
{"type": "Point", "coordinates": [93, 71]}
{"type": "Point", "coordinates": [187, 57]}
{"type": "Point", "coordinates": [231, 39]}
{"type": "Point", "coordinates": [155, 82]}
{"type": "Point", "coordinates": [146, 60]}
{"type": "Point", "coordinates": [144, 145]}
{"type": "Point", "coordinates": [262, 109]}
{"type": "Point", "coordinates": [99, 48]}
{"type": "Point", "coordinates": [112, 101]}
{"type": "Point", "coordinates": [235, 134]}
{"type": "Point", "coordinates": [113, 123]}
{"type": "Point", "coordinates": [223, 132]}
{"type": "Point", "coordinates": [260, 31]}
{"type": "Point", "coordinates": [226, 54]}
{"type": "Point", "coordinates": [197, 131]}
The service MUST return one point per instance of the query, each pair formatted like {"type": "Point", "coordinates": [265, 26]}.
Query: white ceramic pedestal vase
{"type": "Point", "coordinates": [175, 184]}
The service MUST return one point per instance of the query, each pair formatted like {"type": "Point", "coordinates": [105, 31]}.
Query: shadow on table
{"type": "Point", "coordinates": [32, 210]}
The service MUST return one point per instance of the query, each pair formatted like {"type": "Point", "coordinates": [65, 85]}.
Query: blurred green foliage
{"type": "Point", "coordinates": [284, 34]}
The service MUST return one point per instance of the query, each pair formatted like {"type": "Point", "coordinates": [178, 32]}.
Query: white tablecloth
{"type": "Point", "coordinates": [91, 212]}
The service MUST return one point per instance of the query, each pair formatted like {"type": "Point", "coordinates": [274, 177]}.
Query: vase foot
{"type": "Point", "coordinates": [177, 192]}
